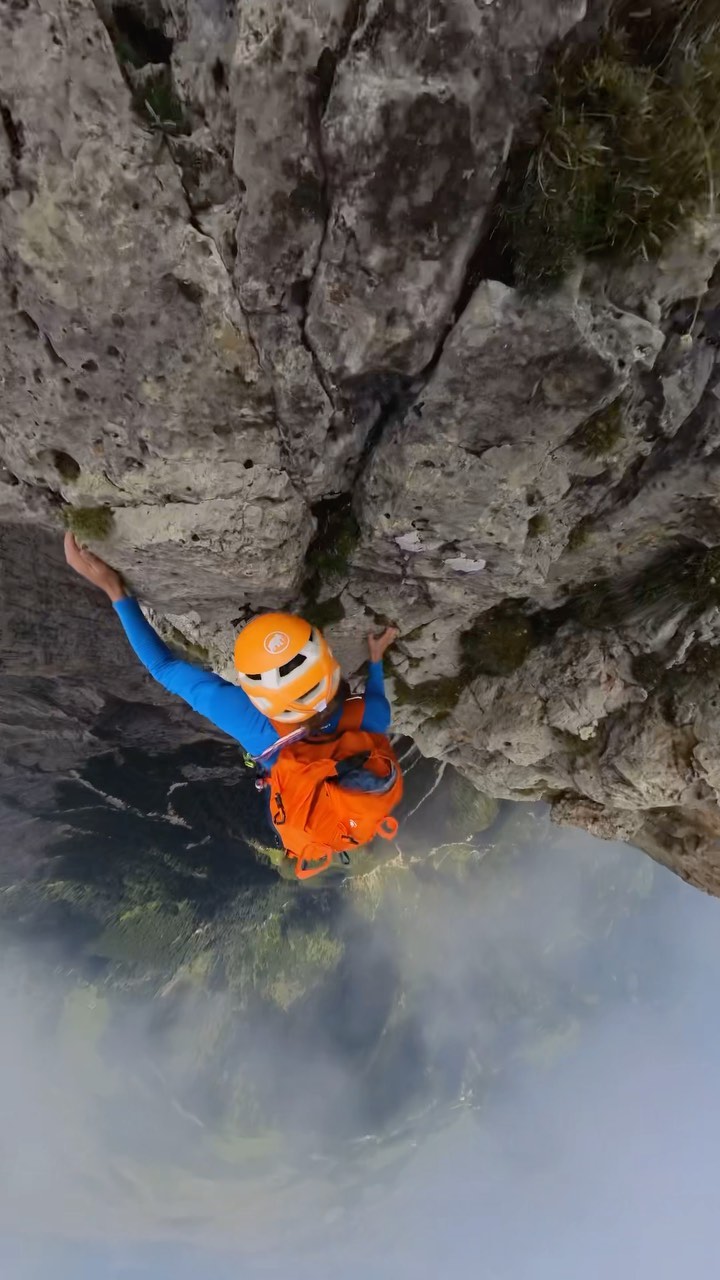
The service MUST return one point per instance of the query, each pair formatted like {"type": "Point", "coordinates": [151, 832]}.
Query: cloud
{"type": "Point", "coordinates": [510, 1074]}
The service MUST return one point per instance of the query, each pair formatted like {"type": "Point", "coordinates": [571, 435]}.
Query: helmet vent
{"type": "Point", "coordinates": [310, 693]}
{"type": "Point", "coordinates": [292, 665]}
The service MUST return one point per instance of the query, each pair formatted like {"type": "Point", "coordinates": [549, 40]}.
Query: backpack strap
{"type": "Point", "coordinates": [352, 715]}
{"type": "Point", "coordinates": [305, 870]}
{"type": "Point", "coordinates": [351, 764]}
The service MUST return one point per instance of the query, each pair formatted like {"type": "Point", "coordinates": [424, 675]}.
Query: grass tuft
{"type": "Point", "coordinates": [683, 578]}
{"type": "Point", "coordinates": [158, 102]}
{"type": "Point", "coordinates": [628, 149]}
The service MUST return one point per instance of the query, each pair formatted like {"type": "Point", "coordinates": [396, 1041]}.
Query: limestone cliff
{"type": "Point", "coordinates": [266, 334]}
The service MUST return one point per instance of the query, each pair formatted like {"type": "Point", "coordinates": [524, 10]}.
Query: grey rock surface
{"type": "Point", "coordinates": [420, 116]}
{"type": "Point", "coordinates": [452, 491]}
{"type": "Point", "coordinates": [129, 374]}
{"type": "Point", "coordinates": [248, 307]}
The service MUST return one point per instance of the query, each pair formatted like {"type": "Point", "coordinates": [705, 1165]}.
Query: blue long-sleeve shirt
{"type": "Point", "coordinates": [226, 705]}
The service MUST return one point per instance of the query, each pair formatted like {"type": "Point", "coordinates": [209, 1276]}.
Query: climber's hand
{"type": "Point", "coordinates": [379, 644]}
{"type": "Point", "coordinates": [93, 568]}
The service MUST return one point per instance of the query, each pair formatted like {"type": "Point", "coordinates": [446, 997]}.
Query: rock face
{"type": "Point", "coordinates": [258, 341]}
{"type": "Point", "coordinates": [493, 428]}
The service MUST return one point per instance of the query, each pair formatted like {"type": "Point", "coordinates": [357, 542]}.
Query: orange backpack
{"type": "Point", "coordinates": [315, 811]}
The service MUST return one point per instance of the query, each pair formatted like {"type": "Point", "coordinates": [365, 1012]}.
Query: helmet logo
{"type": "Point", "coordinates": [277, 643]}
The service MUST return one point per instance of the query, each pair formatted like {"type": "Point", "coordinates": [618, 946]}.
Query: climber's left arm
{"type": "Point", "coordinates": [219, 701]}
{"type": "Point", "coordinates": [224, 704]}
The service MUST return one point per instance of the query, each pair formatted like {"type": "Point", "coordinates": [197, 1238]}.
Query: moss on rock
{"type": "Point", "coordinates": [324, 613]}
{"type": "Point", "coordinates": [600, 434]}
{"type": "Point", "coordinates": [538, 525]}
{"type": "Point", "coordinates": [437, 697]}
{"type": "Point", "coordinates": [596, 604]}
{"type": "Point", "coordinates": [683, 577]}
{"type": "Point", "coordinates": [498, 642]}
{"type": "Point", "coordinates": [328, 560]}
{"type": "Point", "coordinates": [580, 534]}
{"type": "Point", "coordinates": [93, 523]}
{"type": "Point", "coordinates": [648, 669]}
{"type": "Point", "coordinates": [337, 536]}
{"type": "Point", "coordinates": [699, 578]}
{"type": "Point", "coordinates": [189, 648]}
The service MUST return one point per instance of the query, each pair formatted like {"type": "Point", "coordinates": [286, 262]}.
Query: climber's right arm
{"type": "Point", "coordinates": [377, 716]}
{"type": "Point", "coordinates": [226, 705]}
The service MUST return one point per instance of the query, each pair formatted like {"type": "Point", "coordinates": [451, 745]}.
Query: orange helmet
{"type": "Point", "coordinates": [286, 667]}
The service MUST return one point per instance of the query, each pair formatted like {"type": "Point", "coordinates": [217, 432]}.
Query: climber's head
{"type": "Point", "coordinates": [286, 668]}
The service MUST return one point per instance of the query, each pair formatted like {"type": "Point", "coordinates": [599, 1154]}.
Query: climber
{"type": "Point", "coordinates": [291, 712]}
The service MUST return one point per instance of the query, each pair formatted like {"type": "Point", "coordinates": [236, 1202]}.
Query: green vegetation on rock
{"type": "Point", "coordinates": [125, 52]}
{"type": "Point", "coordinates": [94, 523]}
{"type": "Point", "coordinates": [189, 648]}
{"type": "Point", "coordinates": [628, 148]}
{"type": "Point", "coordinates": [600, 434]}
{"type": "Point", "coordinates": [648, 669]}
{"type": "Point", "coordinates": [324, 613]}
{"type": "Point", "coordinates": [328, 560]}
{"type": "Point", "coordinates": [538, 525]}
{"type": "Point", "coordinates": [579, 536]}
{"type": "Point", "coordinates": [699, 577]}
{"type": "Point", "coordinates": [157, 100]}
{"type": "Point", "coordinates": [336, 538]}
{"type": "Point", "coordinates": [436, 697]}
{"type": "Point", "coordinates": [684, 577]}
{"type": "Point", "coordinates": [498, 642]}
{"type": "Point", "coordinates": [455, 857]}
{"type": "Point", "coordinates": [577, 749]}
{"type": "Point", "coordinates": [596, 604]}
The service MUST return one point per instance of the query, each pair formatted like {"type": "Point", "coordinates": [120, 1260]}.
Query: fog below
{"type": "Point", "coordinates": [499, 1059]}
